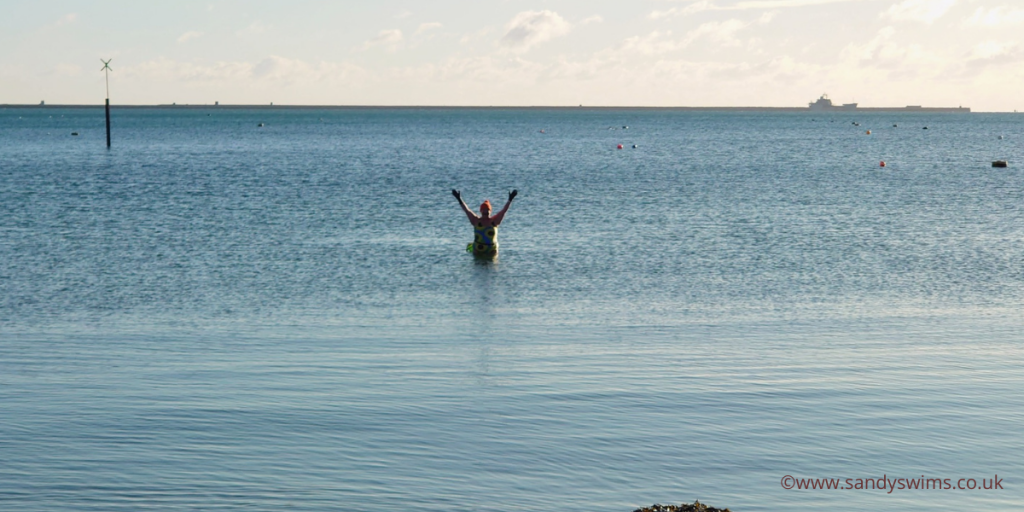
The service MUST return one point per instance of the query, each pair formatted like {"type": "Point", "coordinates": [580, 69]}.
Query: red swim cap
{"type": "Point", "coordinates": [485, 204]}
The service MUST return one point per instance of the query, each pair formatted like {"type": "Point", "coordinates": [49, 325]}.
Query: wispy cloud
{"type": "Point", "coordinates": [703, 5]}
{"type": "Point", "coordinates": [592, 19]}
{"type": "Point", "coordinates": [189, 35]}
{"type": "Point", "coordinates": [723, 33]}
{"type": "Point", "coordinates": [64, 69]}
{"type": "Point", "coordinates": [530, 28]}
{"type": "Point", "coordinates": [469, 38]}
{"type": "Point", "coordinates": [67, 19]}
{"type": "Point", "coordinates": [924, 11]}
{"type": "Point", "coordinates": [708, 5]}
{"type": "Point", "coordinates": [254, 28]}
{"type": "Point", "coordinates": [994, 53]}
{"type": "Point", "coordinates": [425, 27]}
{"type": "Point", "coordinates": [273, 69]}
{"type": "Point", "coordinates": [784, 4]}
{"type": "Point", "coordinates": [996, 16]}
{"type": "Point", "coordinates": [886, 52]}
{"type": "Point", "coordinates": [390, 40]}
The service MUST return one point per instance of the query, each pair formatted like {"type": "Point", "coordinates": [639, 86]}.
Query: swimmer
{"type": "Point", "coordinates": [485, 227]}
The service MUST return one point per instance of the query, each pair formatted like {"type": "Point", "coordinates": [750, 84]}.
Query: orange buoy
{"type": "Point", "coordinates": [882, 163]}
{"type": "Point", "coordinates": [619, 147]}
{"type": "Point", "coordinates": [869, 132]}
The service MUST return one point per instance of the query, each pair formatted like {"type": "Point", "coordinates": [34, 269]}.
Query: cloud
{"type": "Point", "coordinates": [885, 53]}
{"type": "Point", "coordinates": [424, 27]}
{"type": "Point", "coordinates": [189, 35]}
{"type": "Point", "coordinates": [67, 19]}
{"type": "Point", "coordinates": [530, 28]}
{"type": "Point", "coordinates": [924, 11]}
{"type": "Point", "coordinates": [722, 32]}
{"type": "Point", "coordinates": [390, 40]}
{"type": "Point", "coordinates": [254, 28]}
{"type": "Point", "coordinates": [657, 43]}
{"type": "Point", "coordinates": [996, 16]}
{"type": "Point", "coordinates": [703, 5]}
{"type": "Point", "coordinates": [404, 13]}
{"type": "Point", "coordinates": [166, 71]}
{"type": "Point", "coordinates": [708, 5]}
{"type": "Point", "coordinates": [592, 19]}
{"type": "Point", "coordinates": [279, 68]}
{"type": "Point", "coordinates": [784, 4]}
{"type": "Point", "coordinates": [469, 38]}
{"type": "Point", "coordinates": [994, 53]}
{"type": "Point", "coordinates": [64, 69]}
{"type": "Point", "coordinates": [271, 70]}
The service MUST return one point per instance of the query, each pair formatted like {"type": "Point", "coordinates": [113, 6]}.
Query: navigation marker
{"type": "Point", "coordinates": [106, 76]}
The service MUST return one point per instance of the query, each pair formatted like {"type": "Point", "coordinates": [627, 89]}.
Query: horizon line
{"type": "Point", "coordinates": [216, 105]}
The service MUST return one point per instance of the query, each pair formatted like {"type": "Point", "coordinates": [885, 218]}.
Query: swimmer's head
{"type": "Point", "coordinates": [485, 207]}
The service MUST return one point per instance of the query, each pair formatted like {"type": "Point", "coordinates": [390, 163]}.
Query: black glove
{"type": "Point", "coordinates": [512, 195]}
{"type": "Point", "coordinates": [457, 194]}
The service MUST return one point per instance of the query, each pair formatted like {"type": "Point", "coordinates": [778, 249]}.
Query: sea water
{"type": "Point", "coordinates": [218, 315]}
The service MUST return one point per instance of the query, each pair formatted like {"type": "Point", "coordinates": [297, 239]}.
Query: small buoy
{"type": "Point", "coordinates": [895, 126]}
{"type": "Point", "coordinates": [869, 132]}
{"type": "Point", "coordinates": [999, 163]}
{"type": "Point", "coordinates": [619, 146]}
{"type": "Point", "coordinates": [542, 131]}
{"type": "Point", "coordinates": [625, 127]}
{"type": "Point", "coordinates": [1000, 137]}
{"type": "Point", "coordinates": [925, 128]}
{"type": "Point", "coordinates": [882, 163]}
{"type": "Point", "coordinates": [634, 146]}
{"type": "Point", "coordinates": [260, 125]}
{"type": "Point", "coordinates": [74, 134]}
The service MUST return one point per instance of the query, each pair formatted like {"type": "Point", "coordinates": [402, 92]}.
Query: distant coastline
{"type": "Point", "coordinates": [907, 109]}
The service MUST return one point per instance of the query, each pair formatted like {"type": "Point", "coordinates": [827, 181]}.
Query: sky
{"type": "Point", "coordinates": [878, 53]}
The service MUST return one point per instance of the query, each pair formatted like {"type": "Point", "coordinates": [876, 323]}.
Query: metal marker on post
{"type": "Point", "coordinates": [106, 75]}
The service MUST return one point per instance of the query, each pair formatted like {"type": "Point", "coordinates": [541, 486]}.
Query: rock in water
{"type": "Point", "coordinates": [685, 507]}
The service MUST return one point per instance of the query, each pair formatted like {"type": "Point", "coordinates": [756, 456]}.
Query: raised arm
{"type": "Point", "coordinates": [501, 215]}
{"type": "Point", "coordinates": [469, 213]}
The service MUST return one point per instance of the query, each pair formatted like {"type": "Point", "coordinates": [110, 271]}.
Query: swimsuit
{"type": "Point", "coordinates": [485, 241]}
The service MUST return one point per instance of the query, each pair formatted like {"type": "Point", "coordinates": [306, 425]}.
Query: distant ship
{"type": "Point", "coordinates": [824, 103]}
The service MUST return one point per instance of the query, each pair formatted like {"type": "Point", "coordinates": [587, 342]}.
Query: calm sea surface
{"type": "Point", "coordinates": [214, 315]}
